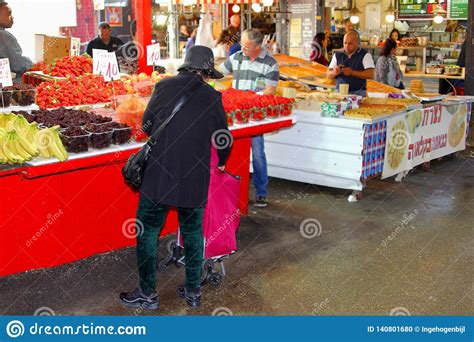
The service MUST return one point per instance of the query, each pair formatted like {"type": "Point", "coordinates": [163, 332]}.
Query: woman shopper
{"type": "Point", "coordinates": [223, 44]}
{"type": "Point", "coordinates": [178, 172]}
{"type": "Point", "coordinates": [319, 49]}
{"type": "Point", "coordinates": [395, 35]}
{"type": "Point", "coordinates": [387, 69]}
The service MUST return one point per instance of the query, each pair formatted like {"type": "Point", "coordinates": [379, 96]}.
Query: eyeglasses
{"type": "Point", "coordinates": [246, 48]}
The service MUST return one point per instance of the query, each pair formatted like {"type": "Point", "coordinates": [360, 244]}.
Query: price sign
{"type": "Point", "coordinates": [105, 64]}
{"type": "Point", "coordinates": [111, 71]}
{"type": "Point", "coordinates": [5, 73]}
{"type": "Point", "coordinates": [98, 62]}
{"type": "Point", "coordinates": [153, 54]}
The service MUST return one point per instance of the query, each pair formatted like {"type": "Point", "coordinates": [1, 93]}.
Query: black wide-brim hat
{"type": "Point", "coordinates": [201, 58]}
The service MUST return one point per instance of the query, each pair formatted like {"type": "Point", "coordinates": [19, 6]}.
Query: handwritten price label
{"type": "Point", "coordinates": [105, 64]}
{"type": "Point", "coordinates": [153, 54]}
{"type": "Point", "coordinates": [5, 73]}
{"type": "Point", "coordinates": [98, 62]}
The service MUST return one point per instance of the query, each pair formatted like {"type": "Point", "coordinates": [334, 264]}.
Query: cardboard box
{"type": "Point", "coordinates": [48, 48]}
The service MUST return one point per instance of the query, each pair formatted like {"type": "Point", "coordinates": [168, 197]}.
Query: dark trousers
{"type": "Point", "coordinates": [151, 217]}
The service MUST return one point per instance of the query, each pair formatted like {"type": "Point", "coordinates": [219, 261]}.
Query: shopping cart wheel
{"type": "Point", "coordinates": [207, 270]}
{"type": "Point", "coordinates": [163, 265]}
{"type": "Point", "coordinates": [215, 279]}
{"type": "Point", "coordinates": [171, 246]}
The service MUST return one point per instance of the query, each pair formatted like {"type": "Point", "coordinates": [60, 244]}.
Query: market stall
{"type": "Point", "coordinates": [345, 152]}
{"type": "Point", "coordinates": [64, 137]}
{"type": "Point", "coordinates": [81, 207]}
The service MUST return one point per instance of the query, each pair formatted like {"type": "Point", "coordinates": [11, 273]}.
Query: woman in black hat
{"type": "Point", "coordinates": [178, 172]}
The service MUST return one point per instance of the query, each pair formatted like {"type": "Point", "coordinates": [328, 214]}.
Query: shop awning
{"type": "Point", "coordinates": [208, 2]}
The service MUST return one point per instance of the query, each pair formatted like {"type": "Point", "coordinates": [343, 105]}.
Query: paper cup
{"type": "Point", "coordinates": [343, 89]}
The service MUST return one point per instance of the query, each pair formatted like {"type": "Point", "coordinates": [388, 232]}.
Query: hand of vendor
{"type": "Point", "coordinates": [221, 168]}
{"type": "Point", "coordinates": [347, 71]}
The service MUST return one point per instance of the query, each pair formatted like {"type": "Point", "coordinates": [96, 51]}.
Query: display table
{"type": "Point", "coordinates": [345, 152]}
{"type": "Point", "coordinates": [326, 151]}
{"type": "Point", "coordinates": [53, 213]}
{"type": "Point", "coordinates": [435, 76]}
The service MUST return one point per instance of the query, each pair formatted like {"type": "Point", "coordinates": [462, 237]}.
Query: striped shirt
{"type": "Point", "coordinates": [264, 67]}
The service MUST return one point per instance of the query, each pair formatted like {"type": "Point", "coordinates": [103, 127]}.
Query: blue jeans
{"type": "Point", "coordinates": [259, 163]}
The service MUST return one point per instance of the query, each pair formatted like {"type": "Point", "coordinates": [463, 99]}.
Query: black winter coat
{"type": "Point", "coordinates": [178, 171]}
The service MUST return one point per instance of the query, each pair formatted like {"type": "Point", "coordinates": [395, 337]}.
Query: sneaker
{"type": "Point", "coordinates": [137, 299]}
{"type": "Point", "coordinates": [260, 201]}
{"type": "Point", "coordinates": [193, 297]}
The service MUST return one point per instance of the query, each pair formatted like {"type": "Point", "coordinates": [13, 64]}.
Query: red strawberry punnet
{"type": "Point", "coordinates": [248, 105]}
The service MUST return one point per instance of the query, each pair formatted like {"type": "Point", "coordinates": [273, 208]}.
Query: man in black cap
{"type": "Point", "coordinates": [177, 173]}
{"type": "Point", "coordinates": [104, 41]}
{"type": "Point", "coordinates": [9, 47]}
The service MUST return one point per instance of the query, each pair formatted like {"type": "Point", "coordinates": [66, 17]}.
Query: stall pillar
{"type": "Point", "coordinates": [469, 81]}
{"type": "Point", "coordinates": [144, 27]}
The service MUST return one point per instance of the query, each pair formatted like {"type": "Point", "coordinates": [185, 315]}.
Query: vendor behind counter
{"type": "Point", "coordinates": [353, 66]}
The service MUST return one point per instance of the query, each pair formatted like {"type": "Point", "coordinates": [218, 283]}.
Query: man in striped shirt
{"type": "Point", "coordinates": [254, 69]}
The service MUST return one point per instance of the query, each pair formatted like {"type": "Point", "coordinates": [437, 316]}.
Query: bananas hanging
{"type": "Point", "coordinates": [21, 141]}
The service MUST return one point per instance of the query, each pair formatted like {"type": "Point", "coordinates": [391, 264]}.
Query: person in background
{"type": "Point", "coordinates": [178, 173]}
{"type": "Point", "coordinates": [127, 54]}
{"type": "Point", "coordinates": [353, 65]}
{"type": "Point", "coordinates": [9, 47]}
{"type": "Point", "coordinates": [223, 44]}
{"type": "Point", "coordinates": [395, 35]}
{"type": "Point", "coordinates": [183, 33]}
{"type": "Point", "coordinates": [348, 25]}
{"type": "Point", "coordinates": [191, 40]}
{"type": "Point", "coordinates": [104, 41]}
{"type": "Point", "coordinates": [319, 46]}
{"type": "Point", "coordinates": [236, 47]}
{"type": "Point", "coordinates": [387, 70]}
{"type": "Point", "coordinates": [255, 69]}
{"type": "Point", "coordinates": [234, 31]}
{"type": "Point", "coordinates": [234, 27]}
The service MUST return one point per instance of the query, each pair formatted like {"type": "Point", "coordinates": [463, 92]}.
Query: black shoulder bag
{"type": "Point", "coordinates": [134, 168]}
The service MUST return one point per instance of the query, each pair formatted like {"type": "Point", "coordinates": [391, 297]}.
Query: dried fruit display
{"type": "Point", "coordinates": [75, 139]}
{"type": "Point", "coordinates": [65, 117]}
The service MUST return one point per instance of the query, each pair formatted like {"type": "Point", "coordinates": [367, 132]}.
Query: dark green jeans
{"type": "Point", "coordinates": [152, 217]}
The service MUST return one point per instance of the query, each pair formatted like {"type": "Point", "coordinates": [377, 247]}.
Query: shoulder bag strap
{"type": "Point", "coordinates": [186, 96]}
{"type": "Point", "coordinates": [241, 57]}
